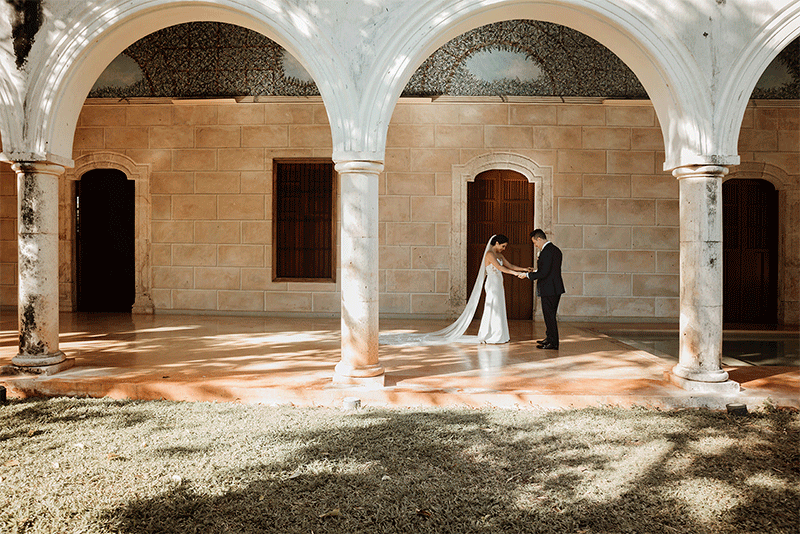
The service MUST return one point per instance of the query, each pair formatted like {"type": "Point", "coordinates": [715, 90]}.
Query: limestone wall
{"type": "Point", "coordinates": [614, 212]}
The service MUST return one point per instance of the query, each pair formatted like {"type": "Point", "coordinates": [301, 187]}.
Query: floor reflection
{"type": "Point", "coordinates": [738, 348]}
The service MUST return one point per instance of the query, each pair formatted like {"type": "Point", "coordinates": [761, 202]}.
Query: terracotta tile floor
{"type": "Point", "coordinates": [291, 360]}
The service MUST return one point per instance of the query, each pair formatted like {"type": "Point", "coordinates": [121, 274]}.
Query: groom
{"type": "Point", "coordinates": [549, 287]}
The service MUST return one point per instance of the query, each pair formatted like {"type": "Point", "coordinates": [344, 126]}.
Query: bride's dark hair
{"type": "Point", "coordinates": [498, 238]}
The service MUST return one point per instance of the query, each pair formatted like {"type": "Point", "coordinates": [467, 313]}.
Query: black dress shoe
{"type": "Point", "coordinates": [541, 341]}
{"type": "Point", "coordinates": [548, 346]}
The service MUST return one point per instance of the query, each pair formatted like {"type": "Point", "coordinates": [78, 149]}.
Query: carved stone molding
{"type": "Point", "coordinates": [540, 176]}
{"type": "Point", "coordinates": [140, 174]}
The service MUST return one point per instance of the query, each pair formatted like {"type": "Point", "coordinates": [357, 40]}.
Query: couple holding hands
{"type": "Point", "coordinates": [549, 287]}
{"type": "Point", "coordinates": [494, 322]}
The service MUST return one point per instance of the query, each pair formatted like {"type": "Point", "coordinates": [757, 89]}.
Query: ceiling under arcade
{"type": "Point", "coordinates": [514, 58]}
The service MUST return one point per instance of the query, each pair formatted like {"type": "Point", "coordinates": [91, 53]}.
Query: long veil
{"type": "Point", "coordinates": [455, 332]}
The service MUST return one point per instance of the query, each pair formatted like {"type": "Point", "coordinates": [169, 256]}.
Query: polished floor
{"type": "Point", "coordinates": [291, 361]}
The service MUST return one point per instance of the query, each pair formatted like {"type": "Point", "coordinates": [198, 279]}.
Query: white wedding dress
{"type": "Point", "coordinates": [494, 324]}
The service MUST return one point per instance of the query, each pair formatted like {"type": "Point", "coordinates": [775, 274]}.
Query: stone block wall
{"type": "Point", "coordinates": [614, 211]}
{"type": "Point", "coordinates": [211, 197]}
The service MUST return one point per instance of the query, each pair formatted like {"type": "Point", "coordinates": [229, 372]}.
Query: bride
{"type": "Point", "coordinates": [494, 324]}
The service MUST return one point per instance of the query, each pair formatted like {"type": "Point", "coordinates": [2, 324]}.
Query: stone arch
{"type": "Point", "coordinates": [775, 35]}
{"type": "Point", "coordinates": [632, 31]}
{"type": "Point", "coordinates": [99, 30]}
{"type": "Point", "coordinates": [761, 171]}
{"type": "Point", "coordinates": [140, 174]}
{"type": "Point", "coordinates": [10, 111]}
{"type": "Point", "coordinates": [540, 176]}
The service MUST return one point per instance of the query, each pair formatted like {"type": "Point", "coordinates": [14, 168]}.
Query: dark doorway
{"type": "Point", "coordinates": [750, 252]}
{"type": "Point", "coordinates": [104, 208]}
{"type": "Point", "coordinates": [501, 202]}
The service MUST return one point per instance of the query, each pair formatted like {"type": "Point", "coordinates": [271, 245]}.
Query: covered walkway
{"type": "Point", "coordinates": [291, 361]}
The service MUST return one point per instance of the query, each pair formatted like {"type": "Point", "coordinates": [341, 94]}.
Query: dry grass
{"type": "Point", "coordinates": [91, 466]}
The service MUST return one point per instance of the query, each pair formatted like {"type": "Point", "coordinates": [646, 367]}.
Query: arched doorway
{"type": "Point", "coordinates": [104, 227]}
{"type": "Point", "coordinates": [501, 201]}
{"type": "Point", "coordinates": [750, 252]}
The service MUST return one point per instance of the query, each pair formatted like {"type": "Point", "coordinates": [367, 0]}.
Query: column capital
{"type": "Point", "coordinates": [38, 167]}
{"type": "Point", "coordinates": [359, 166]}
{"type": "Point", "coordinates": [701, 160]}
{"type": "Point", "coordinates": [700, 171]}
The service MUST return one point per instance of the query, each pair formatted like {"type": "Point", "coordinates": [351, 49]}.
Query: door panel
{"type": "Point", "coordinates": [501, 202]}
{"type": "Point", "coordinates": [750, 252]}
{"type": "Point", "coordinates": [105, 241]}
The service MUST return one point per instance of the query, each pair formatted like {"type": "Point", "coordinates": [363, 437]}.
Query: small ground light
{"type": "Point", "coordinates": [352, 403]}
{"type": "Point", "coordinates": [737, 409]}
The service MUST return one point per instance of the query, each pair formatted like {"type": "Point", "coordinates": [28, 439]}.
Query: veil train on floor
{"type": "Point", "coordinates": [453, 333]}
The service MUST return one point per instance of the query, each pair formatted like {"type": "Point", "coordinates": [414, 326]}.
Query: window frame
{"type": "Point", "coordinates": [276, 163]}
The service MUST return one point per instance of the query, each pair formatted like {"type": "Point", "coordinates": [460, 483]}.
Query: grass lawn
{"type": "Point", "coordinates": [91, 466]}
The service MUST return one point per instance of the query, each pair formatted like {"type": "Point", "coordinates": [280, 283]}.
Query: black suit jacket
{"type": "Point", "coordinates": [548, 272]}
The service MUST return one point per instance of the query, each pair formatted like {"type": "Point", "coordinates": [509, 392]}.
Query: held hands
{"type": "Point", "coordinates": [522, 275]}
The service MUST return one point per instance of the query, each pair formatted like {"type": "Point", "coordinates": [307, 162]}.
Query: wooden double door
{"type": "Point", "coordinates": [502, 202]}
{"type": "Point", "coordinates": [750, 252]}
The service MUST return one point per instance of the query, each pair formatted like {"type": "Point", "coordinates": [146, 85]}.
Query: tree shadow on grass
{"type": "Point", "coordinates": [585, 471]}
{"type": "Point", "coordinates": [34, 416]}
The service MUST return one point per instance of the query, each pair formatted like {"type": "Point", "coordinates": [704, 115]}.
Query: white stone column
{"type": "Point", "coordinates": [698, 367]}
{"type": "Point", "coordinates": [37, 308]}
{"type": "Point", "coordinates": [359, 274]}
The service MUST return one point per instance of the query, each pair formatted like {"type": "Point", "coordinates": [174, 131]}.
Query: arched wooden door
{"type": "Point", "coordinates": [104, 226]}
{"type": "Point", "coordinates": [750, 252]}
{"type": "Point", "coordinates": [501, 202]}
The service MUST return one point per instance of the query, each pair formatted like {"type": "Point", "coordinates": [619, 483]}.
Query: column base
{"type": "Point", "coordinates": [373, 377]}
{"type": "Point", "coordinates": [143, 305]}
{"type": "Point", "coordinates": [699, 375]}
{"type": "Point", "coordinates": [726, 388]}
{"type": "Point", "coordinates": [40, 360]}
{"type": "Point", "coordinates": [37, 366]}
